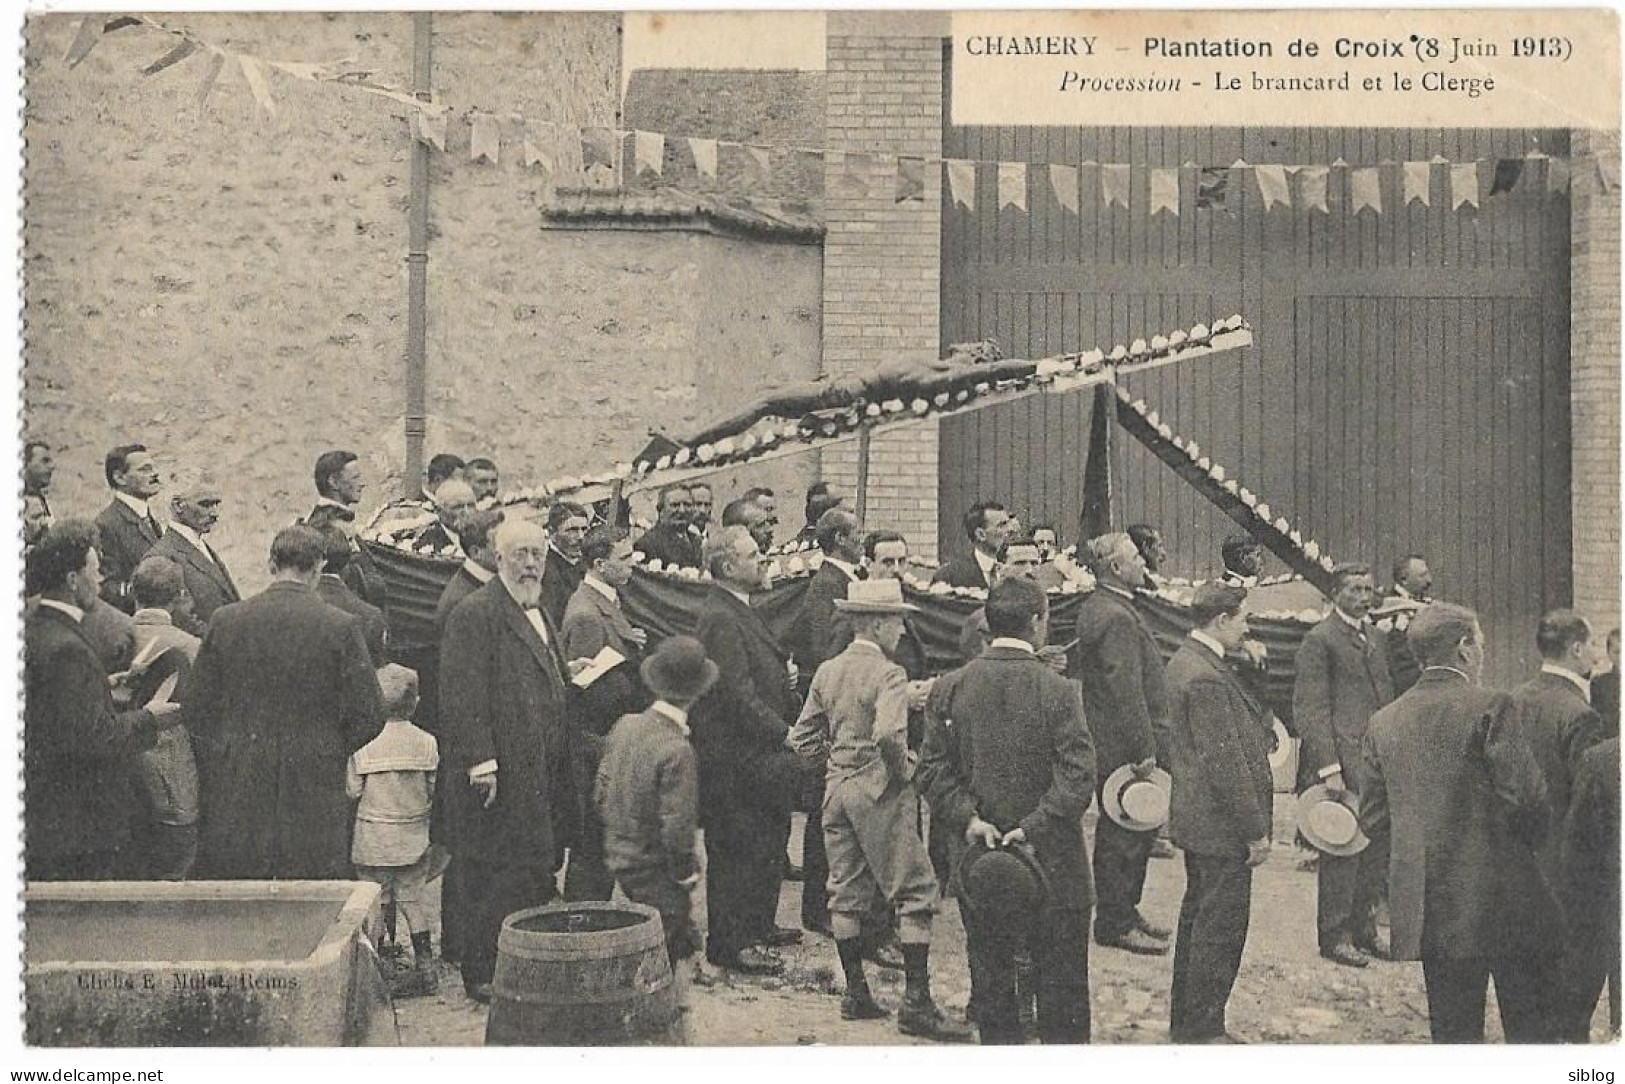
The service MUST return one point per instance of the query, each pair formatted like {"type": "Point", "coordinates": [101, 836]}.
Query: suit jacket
{"type": "Point", "coordinates": [741, 723]}
{"type": "Point", "coordinates": [427, 717]}
{"type": "Point", "coordinates": [79, 754]}
{"type": "Point", "coordinates": [962, 571]}
{"type": "Point", "coordinates": [647, 794]}
{"type": "Point", "coordinates": [1451, 788]}
{"type": "Point", "coordinates": [1605, 698]}
{"type": "Point", "coordinates": [1560, 726]}
{"type": "Point", "coordinates": [820, 632]}
{"type": "Point", "coordinates": [592, 622]}
{"type": "Point", "coordinates": [974, 635]}
{"type": "Point", "coordinates": [360, 574]}
{"type": "Point", "coordinates": [560, 579]}
{"type": "Point", "coordinates": [281, 694]}
{"type": "Point", "coordinates": [1339, 686]}
{"type": "Point", "coordinates": [1590, 851]}
{"type": "Point", "coordinates": [502, 698]}
{"type": "Point", "coordinates": [1125, 695]}
{"type": "Point", "coordinates": [1006, 740]}
{"type": "Point", "coordinates": [1403, 668]}
{"type": "Point", "coordinates": [374, 630]}
{"type": "Point", "coordinates": [670, 546]}
{"type": "Point", "coordinates": [1219, 757]}
{"type": "Point", "coordinates": [122, 539]}
{"type": "Point", "coordinates": [207, 580]}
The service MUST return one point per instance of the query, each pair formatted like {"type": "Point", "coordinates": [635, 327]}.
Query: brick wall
{"type": "Point", "coordinates": [1594, 389]}
{"type": "Point", "coordinates": [882, 258]}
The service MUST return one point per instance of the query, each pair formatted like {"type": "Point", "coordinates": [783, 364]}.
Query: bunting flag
{"type": "Point", "coordinates": [1365, 189]}
{"type": "Point", "coordinates": [485, 139]}
{"type": "Point", "coordinates": [1608, 172]}
{"type": "Point", "coordinates": [254, 73]}
{"type": "Point", "coordinates": [180, 52]}
{"type": "Point", "coordinates": [962, 182]}
{"type": "Point", "coordinates": [217, 61]}
{"type": "Point", "coordinates": [91, 29]}
{"type": "Point", "coordinates": [910, 180]}
{"type": "Point", "coordinates": [649, 153]}
{"type": "Point", "coordinates": [1013, 185]}
{"type": "Point", "coordinates": [1273, 186]}
{"type": "Point", "coordinates": [1507, 173]}
{"type": "Point", "coordinates": [1114, 181]}
{"type": "Point", "coordinates": [597, 148]}
{"type": "Point", "coordinates": [1557, 175]}
{"type": "Point", "coordinates": [1212, 182]}
{"type": "Point", "coordinates": [1063, 181]}
{"type": "Point", "coordinates": [705, 157]}
{"type": "Point", "coordinates": [1463, 185]}
{"type": "Point", "coordinates": [1419, 183]}
{"type": "Point", "coordinates": [429, 126]}
{"type": "Point", "coordinates": [1312, 188]}
{"type": "Point", "coordinates": [761, 160]}
{"type": "Point", "coordinates": [536, 156]}
{"type": "Point", "coordinates": [1164, 190]}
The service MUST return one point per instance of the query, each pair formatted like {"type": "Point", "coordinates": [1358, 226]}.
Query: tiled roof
{"type": "Point", "coordinates": [672, 208]}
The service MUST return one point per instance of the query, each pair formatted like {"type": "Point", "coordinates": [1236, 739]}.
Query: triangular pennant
{"type": "Point", "coordinates": [217, 61]}
{"type": "Point", "coordinates": [761, 160]}
{"type": "Point", "coordinates": [1557, 175]}
{"type": "Point", "coordinates": [1463, 185]}
{"type": "Point", "coordinates": [1312, 188]}
{"type": "Point", "coordinates": [1013, 185]}
{"type": "Point", "coordinates": [705, 157]}
{"type": "Point", "coordinates": [1365, 189]}
{"type": "Point", "coordinates": [85, 38]}
{"type": "Point", "coordinates": [1272, 186]}
{"type": "Point", "coordinates": [119, 22]}
{"type": "Point", "coordinates": [537, 154]}
{"type": "Point", "coordinates": [962, 182]}
{"type": "Point", "coordinates": [254, 73]}
{"type": "Point", "coordinates": [1063, 181]}
{"type": "Point", "coordinates": [1165, 190]}
{"type": "Point", "coordinates": [910, 180]}
{"type": "Point", "coordinates": [1608, 172]}
{"type": "Point", "coordinates": [1212, 184]}
{"type": "Point", "coordinates": [597, 148]}
{"type": "Point", "coordinates": [648, 153]}
{"type": "Point", "coordinates": [485, 139]}
{"type": "Point", "coordinates": [1418, 183]}
{"type": "Point", "coordinates": [1507, 173]}
{"type": "Point", "coordinates": [184, 49]}
{"type": "Point", "coordinates": [429, 126]}
{"type": "Point", "coordinates": [1114, 186]}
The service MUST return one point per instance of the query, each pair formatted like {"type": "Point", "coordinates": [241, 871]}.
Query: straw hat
{"type": "Point", "coordinates": [1138, 804]}
{"type": "Point", "coordinates": [1331, 822]}
{"type": "Point", "coordinates": [876, 596]}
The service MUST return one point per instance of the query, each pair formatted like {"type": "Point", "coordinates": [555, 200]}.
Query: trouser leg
{"type": "Point", "coordinates": [1060, 950]}
{"type": "Point", "coordinates": [991, 949]}
{"type": "Point", "coordinates": [1212, 940]}
{"type": "Point", "coordinates": [727, 884]}
{"type": "Point", "coordinates": [1528, 993]}
{"type": "Point", "coordinates": [1456, 991]}
{"type": "Point", "coordinates": [1336, 879]}
{"type": "Point", "coordinates": [1119, 864]}
{"type": "Point", "coordinates": [495, 891]}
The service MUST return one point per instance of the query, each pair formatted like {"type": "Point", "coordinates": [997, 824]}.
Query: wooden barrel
{"type": "Point", "coordinates": [583, 974]}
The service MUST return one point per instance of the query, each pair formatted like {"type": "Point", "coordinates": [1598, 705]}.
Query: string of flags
{"type": "Point", "coordinates": [571, 155]}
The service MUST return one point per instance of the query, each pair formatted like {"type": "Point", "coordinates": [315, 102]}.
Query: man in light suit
{"type": "Point", "coordinates": [511, 807]}
{"type": "Point", "coordinates": [594, 621]}
{"type": "Point", "coordinates": [1220, 811]}
{"type": "Point", "coordinates": [126, 529]}
{"type": "Point", "coordinates": [1450, 786]}
{"type": "Point", "coordinates": [1343, 678]}
{"type": "Point", "coordinates": [194, 507]}
{"type": "Point", "coordinates": [987, 525]}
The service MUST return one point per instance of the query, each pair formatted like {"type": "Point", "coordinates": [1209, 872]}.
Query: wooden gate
{"type": "Point", "coordinates": [1408, 386]}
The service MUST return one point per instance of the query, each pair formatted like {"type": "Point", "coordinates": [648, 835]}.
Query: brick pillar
{"type": "Point", "coordinates": [1594, 380]}
{"type": "Point", "coordinates": [882, 258]}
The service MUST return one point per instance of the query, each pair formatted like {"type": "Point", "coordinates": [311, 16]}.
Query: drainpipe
{"type": "Point", "coordinates": [417, 268]}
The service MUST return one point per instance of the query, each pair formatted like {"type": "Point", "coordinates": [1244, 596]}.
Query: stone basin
{"type": "Point", "coordinates": [203, 963]}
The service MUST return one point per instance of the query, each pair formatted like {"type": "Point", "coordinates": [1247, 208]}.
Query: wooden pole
{"type": "Point", "coordinates": [417, 267]}
{"type": "Point", "coordinates": [864, 437]}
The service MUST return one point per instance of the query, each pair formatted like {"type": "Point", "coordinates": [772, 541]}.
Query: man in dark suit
{"type": "Point", "coordinates": [38, 468]}
{"type": "Point", "coordinates": [819, 501]}
{"type": "Point", "coordinates": [126, 528]}
{"type": "Point", "coordinates": [1148, 540]}
{"type": "Point", "coordinates": [1450, 786]}
{"type": "Point", "coordinates": [748, 779]}
{"type": "Point", "coordinates": [1223, 798]}
{"type": "Point", "coordinates": [1412, 582]}
{"type": "Point", "coordinates": [567, 526]}
{"type": "Point", "coordinates": [1243, 560]}
{"type": "Point", "coordinates": [594, 621]}
{"type": "Point", "coordinates": [755, 514]}
{"type": "Point", "coordinates": [1008, 759]}
{"type": "Point", "coordinates": [194, 510]}
{"type": "Point", "coordinates": [1126, 702]}
{"type": "Point", "coordinates": [511, 803]}
{"type": "Point", "coordinates": [453, 500]}
{"type": "Point", "coordinates": [987, 525]}
{"type": "Point", "coordinates": [1555, 714]}
{"type": "Point", "coordinates": [1590, 887]}
{"type": "Point", "coordinates": [281, 694]}
{"type": "Point", "coordinates": [886, 554]}
{"type": "Point", "coordinates": [332, 589]}
{"type": "Point", "coordinates": [669, 540]}
{"type": "Point", "coordinates": [1343, 678]}
{"type": "Point", "coordinates": [339, 485]}
{"type": "Point", "coordinates": [484, 479]}
{"type": "Point", "coordinates": [1605, 689]}
{"type": "Point", "coordinates": [79, 754]}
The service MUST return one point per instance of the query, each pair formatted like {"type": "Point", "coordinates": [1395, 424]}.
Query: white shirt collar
{"type": "Point", "coordinates": [1013, 641]}
{"type": "Point", "coordinates": [845, 566]}
{"type": "Point", "coordinates": [675, 714]}
{"type": "Point", "coordinates": [742, 596]}
{"type": "Point", "coordinates": [985, 563]}
{"type": "Point", "coordinates": [1357, 626]}
{"type": "Point", "coordinates": [477, 570]}
{"type": "Point", "coordinates": [603, 589]}
{"type": "Point", "coordinates": [135, 504]}
{"type": "Point", "coordinates": [323, 500]}
{"type": "Point", "coordinates": [1236, 579]}
{"type": "Point", "coordinates": [66, 607]}
{"type": "Point", "coordinates": [1116, 590]}
{"type": "Point", "coordinates": [1399, 589]}
{"type": "Point", "coordinates": [190, 535]}
{"type": "Point", "coordinates": [1207, 641]}
{"type": "Point", "coordinates": [1451, 669]}
{"type": "Point", "coordinates": [1579, 682]}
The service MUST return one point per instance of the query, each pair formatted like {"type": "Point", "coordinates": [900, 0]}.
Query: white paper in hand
{"type": "Point", "coordinates": [599, 665]}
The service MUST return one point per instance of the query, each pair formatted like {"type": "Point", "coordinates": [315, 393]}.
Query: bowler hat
{"type": "Point", "coordinates": [679, 670]}
{"type": "Point", "coordinates": [1001, 884]}
{"type": "Point", "coordinates": [1137, 803]}
{"type": "Point", "coordinates": [876, 596]}
{"type": "Point", "coordinates": [1331, 822]}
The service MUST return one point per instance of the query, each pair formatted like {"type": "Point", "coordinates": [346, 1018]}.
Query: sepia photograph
{"type": "Point", "coordinates": [793, 528]}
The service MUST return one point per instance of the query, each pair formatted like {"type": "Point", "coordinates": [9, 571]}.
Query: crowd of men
{"type": "Point", "coordinates": [175, 729]}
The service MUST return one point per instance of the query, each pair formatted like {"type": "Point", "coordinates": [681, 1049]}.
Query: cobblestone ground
{"type": "Point", "coordinates": [1285, 994]}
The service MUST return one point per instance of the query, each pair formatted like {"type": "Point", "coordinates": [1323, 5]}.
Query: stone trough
{"type": "Point", "coordinates": [203, 963]}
